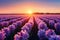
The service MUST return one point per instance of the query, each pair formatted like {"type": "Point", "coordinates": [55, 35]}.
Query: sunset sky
{"type": "Point", "coordinates": [23, 6]}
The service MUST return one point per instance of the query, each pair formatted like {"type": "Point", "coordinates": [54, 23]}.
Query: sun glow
{"type": "Point", "coordinates": [29, 12]}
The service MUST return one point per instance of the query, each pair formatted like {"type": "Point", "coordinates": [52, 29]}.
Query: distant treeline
{"type": "Point", "coordinates": [33, 13]}
{"type": "Point", "coordinates": [48, 13]}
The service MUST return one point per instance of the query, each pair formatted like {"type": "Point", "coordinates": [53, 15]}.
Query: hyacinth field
{"type": "Point", "coordinates": [24, 27]}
